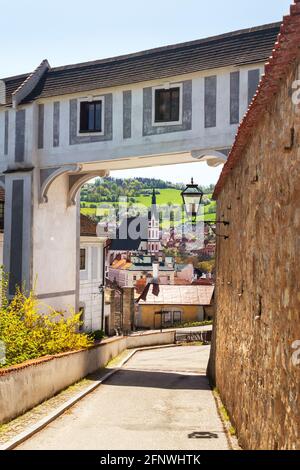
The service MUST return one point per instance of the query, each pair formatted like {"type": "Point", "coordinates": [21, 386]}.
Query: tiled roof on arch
{"type": "Point", "coordinates": [285, 52]}
{"type": "Point", "coordinates": [247, 46]}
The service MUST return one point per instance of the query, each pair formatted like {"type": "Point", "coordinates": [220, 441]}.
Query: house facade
{"type": "Point", "coordinates": [173, 305]}
{"type": "Point", "coordinates": [91, 289]}
{"type": "Point", "coordinates": [128, 272]}
{"type": "Point", "coordinates": [61, 126]}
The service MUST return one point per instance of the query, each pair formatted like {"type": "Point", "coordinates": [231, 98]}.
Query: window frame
{"type": "Point", "coordinates": [90, 99]}
{"type": "Point", "coordinates": [85, 257]}
{"type": "Point", "coordinates": [167, 86]}
{"type": "Point", "coordinates": [168, 313]}
{"type": "Point", "coordinates": [177, 312]}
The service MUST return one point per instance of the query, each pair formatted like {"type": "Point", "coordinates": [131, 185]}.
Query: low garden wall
{"type": "Point", "coordinates": [150, 339]}
{"type": "Point", "coordinates": [26, 385]}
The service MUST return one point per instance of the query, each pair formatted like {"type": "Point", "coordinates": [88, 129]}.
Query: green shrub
{"type": "Point", "coordinates": [97, 335]}
{"type": "Point", "coordinates": [29, 334]}
{"type": "Point", "coordinates": [193, 324]}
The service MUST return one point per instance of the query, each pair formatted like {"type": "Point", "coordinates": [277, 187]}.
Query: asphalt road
{"type": "Point", "coordinates": [160, 400]}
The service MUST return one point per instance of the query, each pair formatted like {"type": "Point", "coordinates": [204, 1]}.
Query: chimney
{"type": "Point", "coordinates": [155, 269]}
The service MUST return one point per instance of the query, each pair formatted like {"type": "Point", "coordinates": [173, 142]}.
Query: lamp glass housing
{"type": "Point", "coordinates": [192, 199]}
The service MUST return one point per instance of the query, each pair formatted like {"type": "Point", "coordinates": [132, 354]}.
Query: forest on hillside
{"type": "Point", "coordinates": [111, 189]}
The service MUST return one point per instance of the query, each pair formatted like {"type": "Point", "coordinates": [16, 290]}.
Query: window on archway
{"type": "Point", "coordinates": [167, 105]}
{"type": "Point", "coordinates": [91, 116]}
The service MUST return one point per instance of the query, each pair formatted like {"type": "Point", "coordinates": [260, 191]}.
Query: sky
{"type": "Point", "coordinates": [71, 31]}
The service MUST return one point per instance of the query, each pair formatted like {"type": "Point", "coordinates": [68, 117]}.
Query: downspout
{"type": "Point", "coordinates": [105, 246]}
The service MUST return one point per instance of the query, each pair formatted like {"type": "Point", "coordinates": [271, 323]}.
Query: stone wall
{"type": "Point", "coordinates": [26, 385]}
{"type": "Point", "coordinates": [128, 308]}
{"type": "Point", "coordinates": [258, 283]}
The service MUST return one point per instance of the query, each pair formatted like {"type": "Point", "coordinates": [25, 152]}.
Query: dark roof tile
{"type": "Point", "coordinates": [237, 48]}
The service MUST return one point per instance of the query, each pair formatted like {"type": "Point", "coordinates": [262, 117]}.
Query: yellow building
{"type": "Point", "coordinates": [174, 305]}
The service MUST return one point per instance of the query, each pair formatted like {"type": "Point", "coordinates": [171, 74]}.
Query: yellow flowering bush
{"type": "Point", "coordinates": [28, 334]}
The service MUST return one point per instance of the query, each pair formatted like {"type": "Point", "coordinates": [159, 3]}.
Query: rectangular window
{"type": "Point", "coordinates": [167, 317]}
{"type": "Point", "coordinates": [90, 116]}
{"type": "Point", "coordinates": [177, 317]}
{"type": "Point", "coordinates": [82, 259]}
{"type": "Point", "coordinates": [167, 105]}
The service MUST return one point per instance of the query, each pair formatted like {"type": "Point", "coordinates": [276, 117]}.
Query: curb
{"type": "Point", "coordinates": [231, 439]}
{"type": "Point", "coordinates": [29, 432]}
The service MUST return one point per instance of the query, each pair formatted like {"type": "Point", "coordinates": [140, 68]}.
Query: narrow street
{"type": "Point", "coordinates": [159, 400]}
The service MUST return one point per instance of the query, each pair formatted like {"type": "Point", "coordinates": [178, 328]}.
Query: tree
{"type": "Point", "coordinates": [206, 266]}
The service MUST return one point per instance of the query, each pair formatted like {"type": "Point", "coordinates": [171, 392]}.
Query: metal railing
{"type": "Point", "coordinates": [193, 336]}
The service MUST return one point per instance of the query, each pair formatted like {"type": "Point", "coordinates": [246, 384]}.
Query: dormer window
{"type": "Point", "coordinates": [167, 105]}
{"type": "Point", "coordinates": [91, 116]}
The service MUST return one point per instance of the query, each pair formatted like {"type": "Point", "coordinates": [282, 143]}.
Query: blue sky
{"type": "Point", "coordinates": [70, 31]}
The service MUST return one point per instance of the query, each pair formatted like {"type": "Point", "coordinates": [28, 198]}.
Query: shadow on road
{"type": "Point", "coordinates": [153, 379]}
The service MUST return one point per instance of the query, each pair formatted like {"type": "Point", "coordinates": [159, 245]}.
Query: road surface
{"type": "Point", "coordinates": [160, 400]}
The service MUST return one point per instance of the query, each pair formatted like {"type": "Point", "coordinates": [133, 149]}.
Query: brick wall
{"type": "Point", "coordinates": [258, 283]}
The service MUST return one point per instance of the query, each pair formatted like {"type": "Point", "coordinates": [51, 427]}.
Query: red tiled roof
{"type": "Point", "coordinates": [285, 52]}
{"type": "Point", "coordinates": [88, 228]}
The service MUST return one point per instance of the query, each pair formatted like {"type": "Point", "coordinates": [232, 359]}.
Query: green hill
{"type": "Point", "coordinates": [137, 191]}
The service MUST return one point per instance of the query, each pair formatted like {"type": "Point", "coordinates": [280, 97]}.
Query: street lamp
{"type": "Point", "coordinates": [192, 198]}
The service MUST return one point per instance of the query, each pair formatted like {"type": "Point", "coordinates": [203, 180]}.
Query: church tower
{"type": "Point", "coordinates": [153, 228]}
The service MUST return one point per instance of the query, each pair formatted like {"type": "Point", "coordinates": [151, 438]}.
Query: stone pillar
{"type": "Point", "coordinates": [128, 308]}
{"type": "Point", "coordinates": [41, 239]}
{"type": "Point", "coordinates": [109, 299]}
{"type": "Point", "coordinates": [18, 246]}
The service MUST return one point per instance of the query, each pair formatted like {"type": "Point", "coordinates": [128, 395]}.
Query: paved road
{"type": "Point", "coordinates": [160, 400]}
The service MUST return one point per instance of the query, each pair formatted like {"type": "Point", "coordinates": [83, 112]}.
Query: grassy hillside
{"type": "Point", "coordinates": [166, 196]}
{"type": "Point", "coordinates": [109, 192]}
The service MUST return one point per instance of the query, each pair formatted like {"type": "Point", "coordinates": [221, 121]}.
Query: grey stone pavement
{"type": "Point", "coordinates": [160, 400]}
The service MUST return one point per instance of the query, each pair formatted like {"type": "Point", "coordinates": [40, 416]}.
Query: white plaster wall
{"type": "Point", "coordinates": [54, 245]}
{"type": "Point", "coordinates": [2, 130]}
{"type": "Point", "coordinates": [89, 296]}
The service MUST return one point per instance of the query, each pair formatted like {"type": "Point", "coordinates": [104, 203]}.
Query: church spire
{"type": "Point", "coordinates": [153, 197]}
